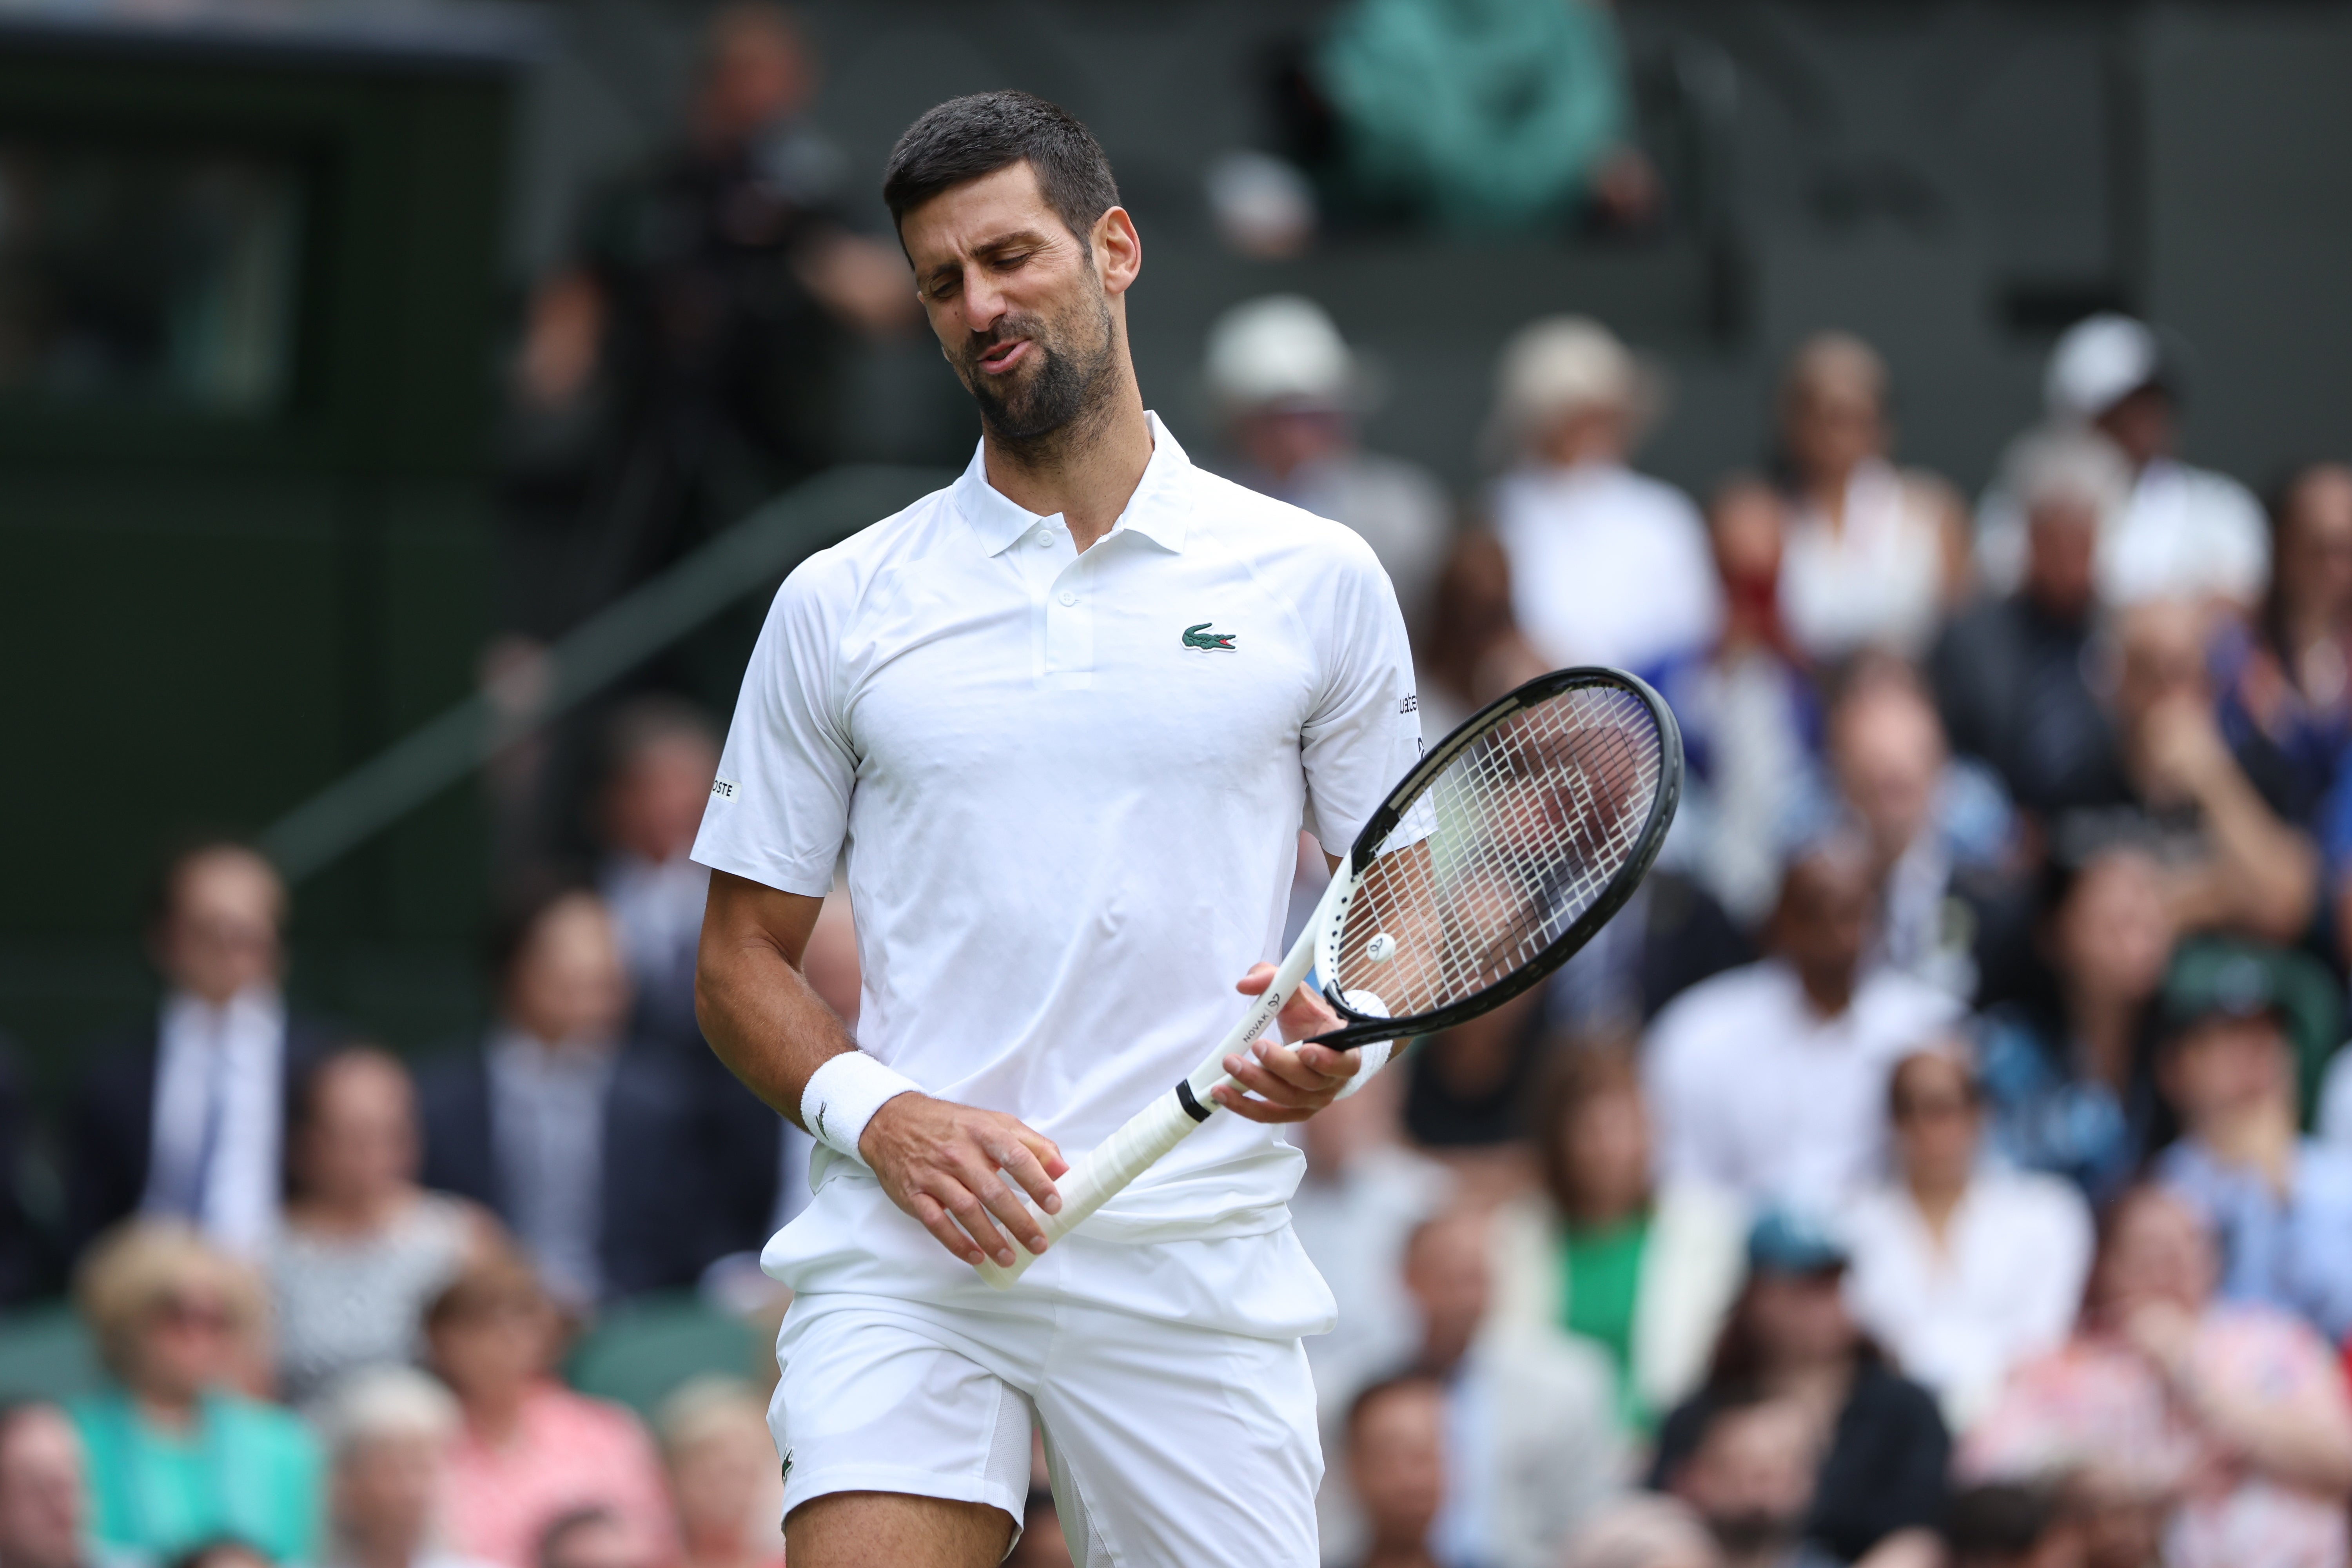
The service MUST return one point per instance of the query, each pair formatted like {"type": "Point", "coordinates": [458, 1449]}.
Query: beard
{"type": "Point", "coordinates": [1072, 379]}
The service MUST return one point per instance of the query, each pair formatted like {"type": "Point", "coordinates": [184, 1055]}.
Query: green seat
{"type": "Point", "coordinates": [641, 1350]}
{"type": "Point", "coordinates": [45, 1353]}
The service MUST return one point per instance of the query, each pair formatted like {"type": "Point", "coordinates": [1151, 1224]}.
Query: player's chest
{"type": "Point", "coordinates": [1136, 664]}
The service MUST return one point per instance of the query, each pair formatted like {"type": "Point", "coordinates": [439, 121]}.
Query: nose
{"type": "Point", "coordinates": [983, 303]}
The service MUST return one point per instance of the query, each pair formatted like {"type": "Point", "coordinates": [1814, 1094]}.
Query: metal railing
{"type": "Point", "coordinates": [616, 639]}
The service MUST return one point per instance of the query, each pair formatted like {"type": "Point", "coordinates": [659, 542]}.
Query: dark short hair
{"type": "Point", "coordinates": [1403, 1382]}
{"type": "Point", "coordinates": [517, 909]}
{"type": "Point", "coordinates": [966, 138]}
{"type": "Point", "coordinates": [1999, 1521]}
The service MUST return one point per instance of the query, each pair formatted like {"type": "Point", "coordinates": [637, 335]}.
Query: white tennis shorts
{"type": "Point", "coordinates": [1168, 1442]}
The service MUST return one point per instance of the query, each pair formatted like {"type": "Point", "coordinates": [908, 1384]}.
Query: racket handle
{"type": "Point", "coordinates": [1100, 1177]}
{"type": "Point", "coordinates": [1135, 1148]}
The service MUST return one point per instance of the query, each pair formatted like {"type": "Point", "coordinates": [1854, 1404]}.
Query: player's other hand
{"type": "Point", "coordinates": [1288, 1082]}
{"type": "Point", "coordinates": [938, 1160]}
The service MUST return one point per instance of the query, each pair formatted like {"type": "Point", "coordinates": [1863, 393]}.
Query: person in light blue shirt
{"type": "Point", "coordinates": [2281, 1205]}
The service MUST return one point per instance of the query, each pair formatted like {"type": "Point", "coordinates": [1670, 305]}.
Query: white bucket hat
{"type": "Point", "coordinates": [1283, 349]}
{"type": "Point", "coordinates": [1558, 364]}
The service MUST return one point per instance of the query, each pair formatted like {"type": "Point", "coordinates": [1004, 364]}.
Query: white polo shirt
{"type": "Point", "coordinates": [1068, 787]}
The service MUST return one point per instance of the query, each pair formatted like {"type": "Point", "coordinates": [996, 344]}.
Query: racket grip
{"type": "Point", "coordinates": [1100, 1177]}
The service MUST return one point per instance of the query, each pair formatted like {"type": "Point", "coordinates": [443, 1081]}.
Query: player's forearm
{"type": "Point", "coordinates": [766, 1023]}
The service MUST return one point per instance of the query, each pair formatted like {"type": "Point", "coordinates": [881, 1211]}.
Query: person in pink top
{"type": "Point", "coordinates": [529, 1450]}
{"type": "Point", "coordinates": [2223, 1427]}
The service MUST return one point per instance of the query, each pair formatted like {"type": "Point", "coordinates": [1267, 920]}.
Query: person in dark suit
{"type": "Point", "coordinates": [613, 1161]}
{"type": "Point", "coordinates": [185, 1117]}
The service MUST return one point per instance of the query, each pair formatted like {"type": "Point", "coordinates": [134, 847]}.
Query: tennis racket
{"type": "Point", "coordinates": [1497, 857]}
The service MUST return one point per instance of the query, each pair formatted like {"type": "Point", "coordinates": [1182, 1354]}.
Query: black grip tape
{"type": "Point", "coordinates": [1193, 1108]}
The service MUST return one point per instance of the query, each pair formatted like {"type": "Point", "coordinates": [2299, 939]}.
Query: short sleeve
{"type": "Point", "coordinates": [779, 809]}
{"type": "Point", "coordinates": [1364, 732]}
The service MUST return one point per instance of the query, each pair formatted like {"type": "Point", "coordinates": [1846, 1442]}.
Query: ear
{"type": "Point", "coordinates": [1119, 250]}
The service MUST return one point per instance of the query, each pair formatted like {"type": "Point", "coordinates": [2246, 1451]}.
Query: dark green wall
{"type": "Point", "coordinates": [202, 619]}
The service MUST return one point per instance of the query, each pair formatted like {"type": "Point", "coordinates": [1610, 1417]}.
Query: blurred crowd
{"type": "Point", "coordinates": [1947, 1155]}
{"type": "Point", "coordinates": [1944, 1158]}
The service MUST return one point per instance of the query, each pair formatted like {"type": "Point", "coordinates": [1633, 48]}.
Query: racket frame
{"type": "Point", "coordinates": [1104, 1172]}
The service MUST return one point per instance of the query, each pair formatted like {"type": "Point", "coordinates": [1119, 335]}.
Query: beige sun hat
{"type": "Point", "coordinates": [1282, 349]}
{"type": "Point", "coordinates": [1554, 365]}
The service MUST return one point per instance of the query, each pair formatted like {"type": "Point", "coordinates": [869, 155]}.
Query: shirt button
{"type": "Point", "coordinates": [1068, 597]}
{"type": "Point", "coordinates": [1045, 536]}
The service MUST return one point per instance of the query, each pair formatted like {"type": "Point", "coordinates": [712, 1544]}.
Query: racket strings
{"type": "Point", "coordinates": [1514, 839]}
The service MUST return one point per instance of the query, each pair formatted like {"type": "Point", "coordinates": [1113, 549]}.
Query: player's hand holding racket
{"type": "Point", "coordinates": [1495, 859]}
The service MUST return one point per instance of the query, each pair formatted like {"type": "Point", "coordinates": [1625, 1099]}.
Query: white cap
{"type": "Point", "coordinates": [2098, 364]}
{"type": "Point", "coordinates": [1281, 349]}
{"type": "Point", "coordinates": [1561, 364]}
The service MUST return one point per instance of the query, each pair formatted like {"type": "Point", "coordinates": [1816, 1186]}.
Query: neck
{"type": "Point", "coordinates": [1404, 1553]}
{"type": "Point", "coordinates": [1826, 488]}
{"type": "Point", "coordinates": [2104, 1027]}
{"type": "Point", "coordinates": [173, 1413]}
{"type": "Point", "coordinates": [387, 1550]}
{"type": "Point", "coordinates": [1936, 1195]}
{"type": "Point", "coordinates": [2260, 1137]}
{"type": "Point", "coordinates": [352, 1214]}
{"type": "Point", "coordinates": [495, 1413]}
{"type": "Point", "coordinates": [1087, 470]}
{"type": "Point", "coordinates": [1830, 995]}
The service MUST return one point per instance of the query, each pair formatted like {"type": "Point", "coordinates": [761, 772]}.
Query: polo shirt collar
{"type": "Point", "coordinates": [1156, 510]}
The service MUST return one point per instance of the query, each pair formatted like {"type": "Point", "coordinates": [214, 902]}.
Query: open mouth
{"type": "Point", "coordinates": [1003, 356]}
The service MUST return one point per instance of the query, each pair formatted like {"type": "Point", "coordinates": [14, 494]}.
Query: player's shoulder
{"type": "Point", "coordinates": [1275, 535]}
{"type": "Point", "coordinates": [837, 577]}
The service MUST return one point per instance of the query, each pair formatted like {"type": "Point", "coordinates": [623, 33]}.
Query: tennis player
{"type": "Point", "coordinates": [1062, 720]}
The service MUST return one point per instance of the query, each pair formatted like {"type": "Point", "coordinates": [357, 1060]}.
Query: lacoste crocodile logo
{"type": "Point", "coordinates": [1207, 641]}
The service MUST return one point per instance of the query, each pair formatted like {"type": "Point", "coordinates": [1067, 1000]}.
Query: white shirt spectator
{"type": "Point", "coordinates": [1354, 1226]}
{"type": "Point", "coordinates": [2185, 533]}
{"type": "Point", "coordinates": [1874, 580]}
{"type": "Point", "coordinates": [219, 1117]}
{"type": "Point", "coordinates": [2006, 1282]}
{"type": "Point", "coordinates": [2334, 1120]}
{"type": "Point", "coordinates": [1756, 1093]}
{"type": "Point", "coordinates": [1608, 566]}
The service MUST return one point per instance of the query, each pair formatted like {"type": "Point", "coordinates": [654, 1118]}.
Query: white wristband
{"type": "Point", "coordinates": [844, 1094]}
{"type": "Point", "coordinates": [1374, 1057]}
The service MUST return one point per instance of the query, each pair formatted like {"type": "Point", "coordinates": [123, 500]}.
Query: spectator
{"type": "Point", "coordinates": [186, 1120]}
{"type": "Point", "coordinates": [363, 1247]}
{"type": "Point", "coordinates": [1749, 1475]}
{"type": "Point", "coordinates": [1643, 1532]}
{"type": "Point", "coordinates": [1751, 725]}
{"type": "Point", "coordinates": [589, 1537]}
{"type": "Point", "coordinates": [1476, 652]}
{"type": "Point", "coordinates": [1876, 555]}
{"type": "Point", "coordinates": [661, 755]}
{"type": "Point", "coordinates": [1363, 1195]}
{"type": "Point", "coordinates": [685, 365]}
{"type": "Point", "coordinates": [389, 1430]}
{"type": "Point", "coordinates": [223, 1551]}
{"type": "Point", "coordinates": [1397, 1463]}
{"type": "Point", "coordinates": [2067, 1071]}
{"type": "Point", "coordinates": [1521, 114]}
{"type": "Point", "coordinates": [2183, 532]}
{"type": "Point", "coordinates": [722, 1475]}
{"type": "Point", "coordinates": [1607, 566]}
{"type": "Point", "coordinates": [1531, 1444]}
{"type": "Point", "coordinates": [1937, 831]}
{"type": "Point", "coordinates": [529, 1451]}
{"type": "Point", "coordinates": [1770, 1080]}
{"type": "Point", "coordinates": [2280, 1206]}
{"type": "Point", "coordinates": [43, 1513]}
{"type": "Point", "coordinates": [1643, 1269]}
{"type": "Point", "coordinates": [2012, 674]}
{"type": "Point", "coordinates": [593, 1147]}
{"type": "Point", "coordinates": [1962, 1268]}
{"type": "Point", "coordinates": [177, 1456]}
{"type": "Point", "coordinates": [1791, 1342]}
{"type": "Point", "coordinates": [1289, 391]}
{"type": "Point", "coordinates": [2233, 860]}
{"type": "Point", "coordinates": [2003, 1524]}
{"type": "Point", "coordinates": [2226, 1428]}
{"type": "Point", "coordinates": [2286, 704]}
